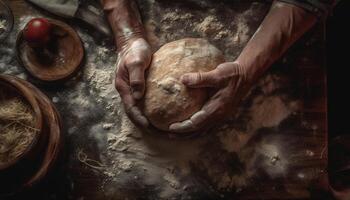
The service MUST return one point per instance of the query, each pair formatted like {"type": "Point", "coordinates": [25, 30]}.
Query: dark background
{"type": "Point", "coordinates": [338, 56]}
{"type": "Point", "coordinates": [337, 38]}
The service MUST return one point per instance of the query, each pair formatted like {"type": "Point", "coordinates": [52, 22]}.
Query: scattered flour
{"type": "Point", "coordinates": [226, 157]}
{"type": "Point", "coordinates": [166, 164]}
{"type": "Point", "coordinates": [210, 26]}
{"type": "Point", "coordinates": [174, 16]}
{"type": "Point", "coordinates": [7, 50]}
{"type": "Point", "coordinates": [2, 25]}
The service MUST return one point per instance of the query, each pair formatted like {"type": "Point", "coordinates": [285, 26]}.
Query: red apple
{"type": "Point", "coordinates": [37, 32]}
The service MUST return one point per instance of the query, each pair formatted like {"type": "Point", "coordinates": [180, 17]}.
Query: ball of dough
{"type": "Point", "coordinates": [166, 99]}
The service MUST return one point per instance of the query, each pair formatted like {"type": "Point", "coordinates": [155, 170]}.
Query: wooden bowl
{"type": "Point", "coordinates": [55, 138]}
{"type": "Point", "coordinates": [49, 155]}
{"type": "Point", "coordinates": [26, 157]}
{"type": "Point", "coordinates": [67, 54]}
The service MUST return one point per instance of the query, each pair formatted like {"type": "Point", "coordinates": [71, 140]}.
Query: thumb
{"type": "Point", "coordinates": [201, 79]}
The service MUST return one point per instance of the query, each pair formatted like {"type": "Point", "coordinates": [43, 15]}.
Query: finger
{"type": "Point", "coordinates": [182, 127]}
{"type": "Point", "coordinates": [121, 84]}
{"type": "Point", "coordinates": [212, 78]}
{"type": "Point", "coordinates": [136, 68]}
{"type": "Point", "coordinates": [135, 114]}
{"type": "Point", "coordinates": [201, 79]}
{"type": "Point", "coordinates": [129, 103]}
{"type": "Point", "coordinates": [199, 120]}
{"type": "Point", "coordinates": [194, 123]}
{"type": "Point", "coordinates": [133, 111]}
{"type": "Point", "coordinates": [209, 114]}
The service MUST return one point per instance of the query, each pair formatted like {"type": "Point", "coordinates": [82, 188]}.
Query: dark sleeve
{"type": "Point", "coordinates": [321, 8]}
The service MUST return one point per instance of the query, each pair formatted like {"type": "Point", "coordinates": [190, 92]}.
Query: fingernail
{"type": "Point", "coordinates": [137, 95]}
{"type": "Point", "coordinates": [144, 122]}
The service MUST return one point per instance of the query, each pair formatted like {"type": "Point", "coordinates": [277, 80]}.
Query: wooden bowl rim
{"type": "Point", "coordinates": [55, 137]}
{"type": "Point", "coordinates": [31, 100]}
{"type": "Point", "coordinates": [54, 144]}
{"type": "Point", "coordinates": [79, 48]}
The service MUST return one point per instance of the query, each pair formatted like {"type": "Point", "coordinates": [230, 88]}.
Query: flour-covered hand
{"type": "Point", "coordinates": [231, 83]}
{"type": "Point", "coordinates": [133, 60]}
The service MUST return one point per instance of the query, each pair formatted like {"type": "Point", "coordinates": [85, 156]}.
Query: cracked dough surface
{"type": "Point", "coordinates": [167, 100]}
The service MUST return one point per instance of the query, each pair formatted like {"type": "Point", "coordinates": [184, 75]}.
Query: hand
{"type": "Point", "coordinates": [133, 59]}
{"type": "Point", "coordinates": [231, 81]}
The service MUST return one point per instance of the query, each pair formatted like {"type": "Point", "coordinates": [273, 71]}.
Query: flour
{"type": "Point", "coordinates": [101, 80]}
{"type": "Point", "coordinates": [225, 159]}
{"type": "Point", "coordinates": [99, 72]}
{"type": "Point", "coordinates": [127, 152]}
{"type": "Point", "coordinates": [165, 23]}
{"type": "Point", "coordinates": [3, 24]}
{"type": "Point", "coordinates": [7, 51]}
{"type": "Point", "coordinates": [107, 126]}
{"type": "Point", "coordinates": [174, 160]}
{"type": "Point", "coordinates": [169, 85]}
{"type": "Point", "coordinates": [268, 112]}
{"type": "Point", "coordinates": [174, 16]}
{"type": "Point", "coordinates": [242, 33]}
{"type": "Point", "coordinates": [211, 27]}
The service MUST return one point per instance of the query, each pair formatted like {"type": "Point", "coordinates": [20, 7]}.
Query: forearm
{"type": "Point", "coordinates": [124, 19]}
{"type": "Point", "coordinates": [282, 26]}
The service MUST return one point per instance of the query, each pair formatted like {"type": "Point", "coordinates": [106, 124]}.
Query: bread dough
{"type": "Point", "coordinates": [167, 100]}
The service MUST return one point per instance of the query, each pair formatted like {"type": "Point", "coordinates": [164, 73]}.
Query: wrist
{"type": "Point", "coordinates": [124, 41]}
{"type": "Point", "coordinates": [248, 71]}
{"type": "Point", "coordinates": [125, 21]}
{"type": "Point", "coordinates": [255, 60]}
{"type": "Point", "coordinates": [137, 46]}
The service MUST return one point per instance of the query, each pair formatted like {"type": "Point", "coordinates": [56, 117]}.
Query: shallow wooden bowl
{"type": "Point", "coordinates": [13, 88]}
{"type": "Point", "coordinates": [49, 154]}
{"type": "Point", "coordinates": [55, 138]}
{"type": "Point", "coordinates": [67, 53]}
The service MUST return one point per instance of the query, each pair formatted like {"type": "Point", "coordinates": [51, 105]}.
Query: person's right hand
{"type": "Point", "coordinates": [134, 58]}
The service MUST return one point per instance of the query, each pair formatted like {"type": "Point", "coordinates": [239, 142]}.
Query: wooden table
{"type": "Point", "coordinates": [273, 148]}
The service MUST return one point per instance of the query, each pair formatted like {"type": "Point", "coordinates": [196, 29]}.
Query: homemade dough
{"type": "Point", "coordinates": [167, 100]}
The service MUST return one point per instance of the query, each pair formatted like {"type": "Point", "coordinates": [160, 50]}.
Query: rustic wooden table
{"type": "Point", "coordinates": [273, 148]}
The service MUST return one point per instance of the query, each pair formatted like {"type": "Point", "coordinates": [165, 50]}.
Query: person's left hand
{"type": "Point", "coordinates": [231, 81]}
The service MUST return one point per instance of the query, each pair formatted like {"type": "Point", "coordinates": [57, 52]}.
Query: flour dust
{"type": "Point", "coordinates": [225, 159]}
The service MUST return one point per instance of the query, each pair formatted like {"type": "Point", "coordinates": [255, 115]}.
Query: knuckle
{"type": "Point", "coordinates": [135, 61]}
{"type": "Point", "coordinates": [198, 77]}
{"type": "Point", "coordinates": [221, 70]}
{"type": "Point", "coordinates": [206, 77]}
{"type": "Point", "coordinates": [137, 78]}
{"type": "Point", "coordinates": [216, 73]}
{"type": "Point", "coordinates": [137, 82]}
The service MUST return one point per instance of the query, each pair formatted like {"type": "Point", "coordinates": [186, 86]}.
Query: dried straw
{"type": "Point", "coordinates": [17, 129]}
